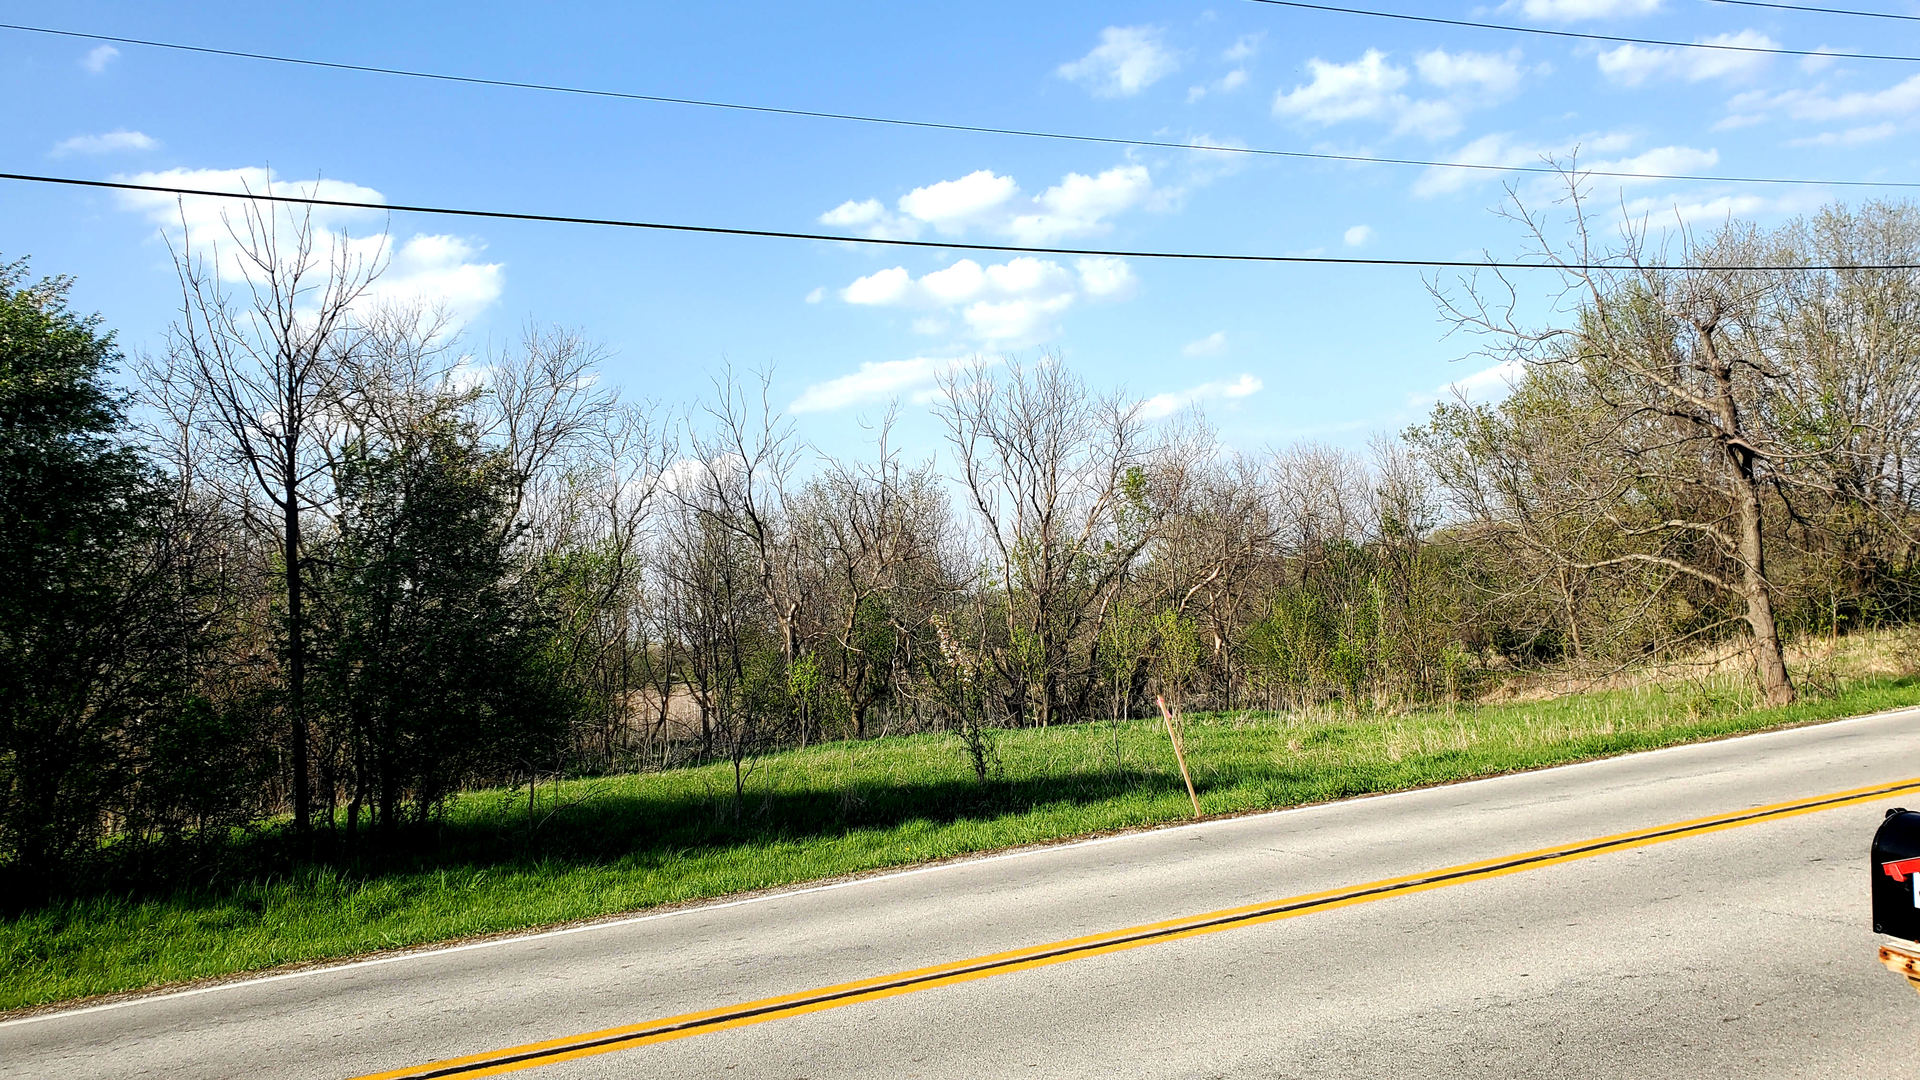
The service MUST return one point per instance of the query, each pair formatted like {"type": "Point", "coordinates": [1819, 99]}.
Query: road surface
{"type": "Point", "coordinates": [1741, 948]}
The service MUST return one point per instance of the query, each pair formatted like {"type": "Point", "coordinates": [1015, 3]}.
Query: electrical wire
{"type": "Point", "coordinates": [1585, 36]}
{"type": "Point", "coordinates": [1106, 140]}
{"type": "Point", "coordinates": [942, 245]}
{"type": "Point", "coordinates": [1819, 10]}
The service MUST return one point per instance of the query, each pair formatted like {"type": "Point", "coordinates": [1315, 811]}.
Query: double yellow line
{"type": "Point", "coordinates": [530, 1055]}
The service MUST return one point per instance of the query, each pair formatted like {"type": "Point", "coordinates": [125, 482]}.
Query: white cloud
{"type": "Point", "coordinates": [1244, 47]}
{"type": "Point", "coordinates": [1504, 151]}
{"type": "Point", "coordinates": [204, 217]}
{"type": "Point", "coordinates": [871, 219]}
{"type": "Point", "coordinates": [1497, 149]}
{"type": "Point", "coordinates": [1900, 99]}
{"type": "Point", "coordinates": [424, 269]}
{"type": "Point", "coordinates": [1489, 73]}
{"type": "Point", "coordinates": [1010, 303]}
{"type": "Point", "coordinates": [1212, 159]}
{"type": "Point", "coordinates": [1225, 84]}
{"type": "Point", "coordinates": [437, 270]}
{"type": "Point", "coordinates": [1128, 60]}
{"type": "Point", "coordinates": [876, 382]}
{"type": "Point", "coordinates": [1490, 382]}
{"type": "Point", "coordinates": [1368, 89]}
{"type": "Point", "coordinates": [1660, 161]}
{"type": "Point", "coordinates": [1855, 110]}
{"type": "Point", "coordinates": [1373, 88]}
{"type": "Point", "coordinates": [1163, 405]}
{"type": "Point", "coordinates": [1665, 211]}
{"type": "Point", "coordinates": [1571, 10]}
{"type": "Point", "coordinates": [1104, 277]}
{"type": "Point", "coordinates": [1080, 204]}
{"type": "Point", "coordinates": [1487, 384]}
{"type": "Point", "coordinates": [98, 58]}
{"type": "Point", "coordinates": [950, 206]}
{"type": "Point", "coordinates": [1631, 65]}
{"type": "Point", "coordinates": [1813, 65]}
{"type": "Point", "coordinates": [691, 474]}
{"type": "Point", "coordinates": [818, 294]}
{"type": "Point", "coordinates": [1357, 236]}
{"type": "Point", "coordinates": [1858, 136]}
{"type": "Point", "coordinates": [1016, 302]}
{"type": "Point", "coordinates": [1014, 322]}
{"type": "Point", "coordinates": [890, 286]}
{"type": "Point", "coordinates": [1025, 276]}
{"type": "Point", "coordinates": [854, 215]}
{"type": "Point", "coordinates": [1212, 345]}
{"type": "Point", "coordinates": [107, 143]}
{"type": "Point", "coordinates": [956, 284]}
{"type": "Point", "coordinates": [1031, 302]}
{"type": "Point", "coordinates": [1003, 300]}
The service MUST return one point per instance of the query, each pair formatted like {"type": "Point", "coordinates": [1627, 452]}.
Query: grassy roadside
{"type": "Point", "coordinates": [608, 845]}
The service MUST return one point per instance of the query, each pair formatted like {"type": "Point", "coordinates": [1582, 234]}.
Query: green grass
{"type": "Point", "coordinates": [623, 843]}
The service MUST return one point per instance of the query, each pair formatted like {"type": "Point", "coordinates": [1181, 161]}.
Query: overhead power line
{"type": "Point", "coordinates": [1542, 31]}
{"type": "Point", "coordinates": [941, 245]}
{"type": "Point", "coordinates": [934, 125]}
{"type": "Point", "coordinates": [1811, 9]}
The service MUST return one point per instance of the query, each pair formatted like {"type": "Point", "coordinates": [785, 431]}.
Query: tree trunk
{"type": "Point", "coordinates": [389, 801]}
{"type": "Point", "coordinates": [739, 780]}
{"type": "Point", "coordinates": [1573, 618]}
{"type": "Point", "coordinates": [1770, 664]}
{"type": "Point", "coordinates": [296, 661]}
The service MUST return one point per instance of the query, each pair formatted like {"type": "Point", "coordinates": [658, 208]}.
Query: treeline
{"type": "Point", "coordinates": [316, 562]}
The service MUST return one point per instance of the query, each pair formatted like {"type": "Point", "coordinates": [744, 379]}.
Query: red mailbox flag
{"type": "Point", "coordinates": [1899, 870]}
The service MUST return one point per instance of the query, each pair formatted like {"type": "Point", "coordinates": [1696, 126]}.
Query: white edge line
{"type": "Point", "coordinates": [782, 894]}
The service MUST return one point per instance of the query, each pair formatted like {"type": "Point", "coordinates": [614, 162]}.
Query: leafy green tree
{"type": "Point", "coordinates": [254, 366]}
{"type": "Point", "coordinates": [436, 664]}
{"type": "Point", "coordinates": [93, 638]}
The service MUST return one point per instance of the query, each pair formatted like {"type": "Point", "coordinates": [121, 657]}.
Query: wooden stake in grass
{"type": "Point", "coordinates": [1179, 753]}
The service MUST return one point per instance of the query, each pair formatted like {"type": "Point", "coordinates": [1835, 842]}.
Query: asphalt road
{"type": "Point", "coordinates": [1744, 951]}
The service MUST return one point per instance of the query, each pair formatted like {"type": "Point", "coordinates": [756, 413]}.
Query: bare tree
{"type": "Point", "coordinates": [1058, 482]}
{"type": "Point", "coordinates": [868, 533]}
{"type": "Point", "coordinates": [745, 460]}
{"type": "Point", "coordinates": [599, 519]}
{"type": "Point", "coordinates": [723, 630]}
{"type": "Point", "coordinates": [545, 403]}
{"type": "Point", "coordinates": [1323, 501]}
{"type": "Point", "coordinates": [1848, 332]}
{"type": "Point", "coordinates": [252, 366]}
{"type": "Point", "coordinates": [1222, 527]}
{"type": "Point", "coordinates": [1641, 437]}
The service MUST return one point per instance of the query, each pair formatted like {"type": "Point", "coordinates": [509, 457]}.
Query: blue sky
{"type": "Point", "coordinates": [1274, 353]}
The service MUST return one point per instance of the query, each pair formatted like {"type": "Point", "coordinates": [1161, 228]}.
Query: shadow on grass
{"type": "Point", "coordinates": [495, 830]}
{"type": "Point", "coordinates": [650, 820]}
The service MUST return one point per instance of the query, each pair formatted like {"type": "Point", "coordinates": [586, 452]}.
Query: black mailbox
{"type": "Point", "coordinates": [1896, 876]}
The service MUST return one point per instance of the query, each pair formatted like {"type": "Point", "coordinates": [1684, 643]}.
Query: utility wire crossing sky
{"type": "Point", "coordinates": [719, 230]}
{"type": "Point", "coordinates": [777, 110]}
{"type": "Point", "coordinates": [1818, 10]}
{"type": "Point", "coordinates": [1665, 43]}
{"type": "Point", "coordinates": [1133, 164]}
